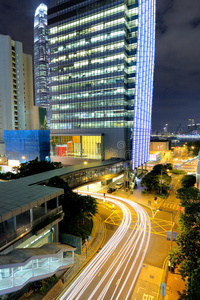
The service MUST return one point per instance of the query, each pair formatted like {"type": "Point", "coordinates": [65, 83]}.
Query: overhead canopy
{"type": "Point", "coordinates": [22, 194]}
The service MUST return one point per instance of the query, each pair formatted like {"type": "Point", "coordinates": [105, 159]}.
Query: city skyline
{"type": "Point", "coordinates": [176, 84]}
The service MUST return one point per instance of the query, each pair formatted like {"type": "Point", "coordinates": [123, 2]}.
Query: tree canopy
{"type": "Point", "coordinates": [187, 252]}
{"type": "Point", "coordinates": [157, 180]}
{"type": "Point", "coordinates": [188, 181]}
{"type": "Point", "coordinates": [35, 166]}
{"type": "Point", "coordinates": [30, 168]}
{"type": "Point", "coordinates": [194, 147]}
{"type": "Point", "coordinates": [78, 209]}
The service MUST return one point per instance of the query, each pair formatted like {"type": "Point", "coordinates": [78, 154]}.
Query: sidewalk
{"type": "Point", "coordinates": [146, 199]}
{"type": "Point", "coordinates": [80, 261]}
{"type": "Point", "coordinates": [175, 286]}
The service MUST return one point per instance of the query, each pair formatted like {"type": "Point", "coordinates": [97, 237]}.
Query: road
{"type": "Point", "coordinates": [114, 270]}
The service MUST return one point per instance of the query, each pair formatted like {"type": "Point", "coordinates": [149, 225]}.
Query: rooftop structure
{"type": "Point", "coordinates": [24, 195]}
{"type": "Point", "coordinates": [22, 258]}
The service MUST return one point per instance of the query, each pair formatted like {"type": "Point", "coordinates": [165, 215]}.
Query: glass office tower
{"type": "Point", "coordinates": [101, 70]}
{"type": "Point", "coordinates": [41, 60]}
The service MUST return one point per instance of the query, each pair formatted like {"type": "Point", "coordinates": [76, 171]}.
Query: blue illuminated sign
{"type": "Point", "coordinates": [144, 82]}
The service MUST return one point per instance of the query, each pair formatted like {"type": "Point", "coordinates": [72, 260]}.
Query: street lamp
{"type": "Point", "coordinates": [171, 212]}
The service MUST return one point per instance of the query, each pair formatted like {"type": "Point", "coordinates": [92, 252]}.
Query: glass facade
{"type": "Point", "coordinates": [26, 145]}
{"type": "Point", "coordinates": [77, 146]}
{"type": "Point", "coordinates": [41, 59]}
{"type": "Point", "coordinates": [93, 67]}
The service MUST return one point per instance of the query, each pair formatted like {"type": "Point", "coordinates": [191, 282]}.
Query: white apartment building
{"type": "Point", "coordinates": [16, 88]}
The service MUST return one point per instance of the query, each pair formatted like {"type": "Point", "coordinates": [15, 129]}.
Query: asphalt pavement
{"type": "Point", "coordinates": [151, 275]}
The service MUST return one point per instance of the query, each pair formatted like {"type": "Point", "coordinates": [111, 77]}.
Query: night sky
{"type": "Point", "coordinates": [177, 62]}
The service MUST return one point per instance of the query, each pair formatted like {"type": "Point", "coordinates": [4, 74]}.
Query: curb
{"type": "Point", "coordinates": [71, 277]}
{"type": "Point", "coordinates": [163, 277]}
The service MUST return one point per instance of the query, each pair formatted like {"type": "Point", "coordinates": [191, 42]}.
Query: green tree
{"type": "Point", "coordinates": [188, 196]}
{"type": "Point", "coordinates": [78, 209]}
{"type": "Point", "coordinates": [157, 180]}
{"type": "Point", "coordinates": [34, 167]}
{"type": "Point", "coordinates": [157, 169]}
{"type": "Point", "coordinates": [169, 166]}
{"type": "Point", "coordinates": [151, 182]}
{"type": "Point", "coordinates": [194, 147]}
{"type": "Point", "coordinates": [8, 176]}
{"type": "Point", "coordinates": [188, 181]}
{"type": "Point", "coordinates": [187, 252]}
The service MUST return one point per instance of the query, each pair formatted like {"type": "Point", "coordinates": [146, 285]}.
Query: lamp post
{"type": "Point", "coordinates": [171, 212]}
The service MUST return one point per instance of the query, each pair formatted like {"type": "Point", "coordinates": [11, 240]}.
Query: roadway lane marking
{"type": "Point", "coordinates": [117, 281]}
{"type": "Point", "coordinates": [147, 297]}
{"type": "Point", "coordinates": [99, 273]}
{"type": "Point", "coordinates": [171, 205]}
{"type": "Point", "coordinates": [141, 289]}
{"type": "Point", "coordinates": [113, 253]}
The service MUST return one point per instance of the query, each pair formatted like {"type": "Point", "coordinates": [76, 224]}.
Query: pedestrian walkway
{"type": "Point", "coordinates": [171, 205]}
{"type": "Point", "coordinates": [80, 261]}
{"type": "Point", "coordinates": [147, 285]}
{"type": "Point", "coordinates": [175, 286]}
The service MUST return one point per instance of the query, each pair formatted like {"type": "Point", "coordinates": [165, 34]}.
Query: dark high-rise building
{"type": "Point", "coordinates": [101, 78]}
{"type": "Point", "coordinates": [41, 57]}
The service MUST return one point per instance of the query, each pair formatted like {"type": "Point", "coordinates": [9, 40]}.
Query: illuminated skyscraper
{"type": "Point", "coordinates": [41, 66]}
{"type": "Point", "coordinates": [101, 70]}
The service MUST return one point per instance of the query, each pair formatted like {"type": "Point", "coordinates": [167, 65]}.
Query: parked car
{"type": "Point", "coordinates": [110, 190]}
{"type": "Point", "coordinates": [119, 185]}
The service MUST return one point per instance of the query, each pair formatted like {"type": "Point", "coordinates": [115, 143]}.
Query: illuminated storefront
{"type": "Point", "coordinates": [77, 146]}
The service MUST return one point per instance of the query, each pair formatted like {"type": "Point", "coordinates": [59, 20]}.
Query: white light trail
{"type": "Point", "coordinates": [130, 255]}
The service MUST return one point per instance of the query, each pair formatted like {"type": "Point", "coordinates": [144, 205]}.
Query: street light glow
{"type": "Point", "coordinates": [133, 246]}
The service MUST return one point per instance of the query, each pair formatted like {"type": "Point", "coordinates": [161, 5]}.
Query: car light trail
{"type": "Point", "coordinates": [105, 274]}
